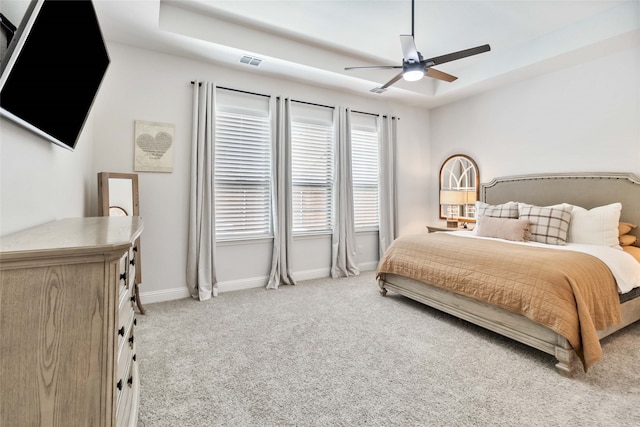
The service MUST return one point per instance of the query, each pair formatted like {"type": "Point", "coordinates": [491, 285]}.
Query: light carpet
{"type": "Point", "coordinates": [336, 353]}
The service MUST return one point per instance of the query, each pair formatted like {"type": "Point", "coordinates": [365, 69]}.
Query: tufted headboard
{"type": "Point", "coordinates": [588, 190]}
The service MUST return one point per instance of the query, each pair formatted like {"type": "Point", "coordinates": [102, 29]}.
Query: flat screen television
{"type": "Point", "coordinates": [53, 69]}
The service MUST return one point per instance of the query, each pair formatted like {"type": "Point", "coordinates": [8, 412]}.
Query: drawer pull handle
{"type": "Point", "coordinates": [123, 276]}
{"type": "Point", "coordinates": [130, 381]}
{"type": "Point", "coordinates": [134, 357]}
{"type": "Point", "coordinates": [135, 249]}
{"type": "Point", "coordinates": [131, 340]}
{"type": "Point", "coordinates": [133, 261]}
{"type": "Point", "coordinates": [133, 298]}
{"type": "Point", "coordinates": [119, 385]}
{"type": "Point", "coordinates": [135, 322]}
{"type": "Point", "coordinates": [121, 331]}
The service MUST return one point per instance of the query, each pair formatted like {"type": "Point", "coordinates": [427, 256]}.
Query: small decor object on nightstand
{"type": "Point", "coordinates": [436, 228]}
{"type": "Point", "coordinates": [443, 227]}
{"type": "Point", "coordinates": [452, 199]}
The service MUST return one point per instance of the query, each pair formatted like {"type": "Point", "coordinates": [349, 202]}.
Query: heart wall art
{"type": "Point", "coordinates": [153, 146]}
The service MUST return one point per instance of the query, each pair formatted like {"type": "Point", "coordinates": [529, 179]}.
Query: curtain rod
{"type": "Point", "coordinates": [333, 108]}
{"type": "Point", "coordinates": [293, 100]}
{"type": "Point", "coordinates": [311, 103]}
{"type": "Point", "coordinates": [237, 90]}
{"type": "Point", "coordinates": [371, 114]}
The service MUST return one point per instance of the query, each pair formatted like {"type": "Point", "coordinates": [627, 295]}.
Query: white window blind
{"type": "Point", "coordinates": [242, 173]}
{"type": "Point", "coordinates": [365, 167]}
{"type": "Point", "coordinates": [312, 176]}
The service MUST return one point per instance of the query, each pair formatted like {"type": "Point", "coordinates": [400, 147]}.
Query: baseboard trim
{"type": "Point", "coordinates": [238, 285]}
{"type": "Point", "coordinates": [151, 297]}
{"type": "Point", "coordinates": [259, 282]}
{"type": "Point", "coordinates": [320, 273]}
{"type": "Point", "coordinates": [164, 295]}
{"type": "Point", "coordinates": [368, 266]}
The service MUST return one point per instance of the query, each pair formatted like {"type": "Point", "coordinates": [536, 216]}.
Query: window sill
{"type": "Point", "coordinates": [247, 241]}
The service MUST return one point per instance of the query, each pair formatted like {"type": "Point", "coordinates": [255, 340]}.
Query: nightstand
{"type": "Point", "coordinates": [434, 228]}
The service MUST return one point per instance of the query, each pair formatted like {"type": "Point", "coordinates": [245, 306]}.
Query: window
{"type": "Point", "coordinates": [312, 175]}
{"type": "Point", "coordinates": [242, 173]}
{"type": "Point", "coordinates": [365, 167]}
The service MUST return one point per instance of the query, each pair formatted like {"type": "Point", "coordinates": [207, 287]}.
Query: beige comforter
{"type": "Point", "coordinates": [572, 293]}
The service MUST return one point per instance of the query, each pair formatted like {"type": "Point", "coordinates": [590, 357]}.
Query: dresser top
{"type": "Point", "coordinates": [72, 235]}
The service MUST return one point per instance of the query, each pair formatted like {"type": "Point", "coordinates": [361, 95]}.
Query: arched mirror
{"type": "Point", "coordinates": [459, 189]}
{"type": "Point", "coordinates": [118, 196]}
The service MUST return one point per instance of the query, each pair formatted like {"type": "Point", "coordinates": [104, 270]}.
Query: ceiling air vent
{"type": "Point", "coordinates": [250, 60]}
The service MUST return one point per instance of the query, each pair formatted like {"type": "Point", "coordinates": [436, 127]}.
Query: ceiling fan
{"type": "Point", "coordinates": [414, 66]}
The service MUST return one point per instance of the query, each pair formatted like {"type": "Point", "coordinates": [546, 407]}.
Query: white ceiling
{"type": "Point", "coordinates": [313, 40]}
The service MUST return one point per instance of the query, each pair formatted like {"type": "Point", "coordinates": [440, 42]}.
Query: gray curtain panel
{"type": "Point", "coordinates": [201, 269]}
{"type": "Point", "coordinates": [388, 228]}
{"type": "Point", "coordinates": [343, 242]}
{"type": "Point", "coordinates": [281, 195]}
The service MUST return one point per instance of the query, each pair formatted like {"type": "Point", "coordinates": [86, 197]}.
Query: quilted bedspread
{"type": "Point", "coordinates": [572, 293]}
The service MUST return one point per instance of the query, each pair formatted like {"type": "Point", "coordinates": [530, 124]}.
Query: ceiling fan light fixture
{"type": "Point", "coordinates": [415, 67]}
{"type": "Point", "coordinates": [413, 72]}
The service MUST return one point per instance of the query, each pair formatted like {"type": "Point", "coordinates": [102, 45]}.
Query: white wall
{"type": "Point", "coordinates": [584, 118]}
{"type": "Point", "coordinates": [145, 85]}
{"type": "Point", "coordinates": [41, 181]}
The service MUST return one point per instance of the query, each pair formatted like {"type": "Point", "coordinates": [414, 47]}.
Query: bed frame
{"type": "Point", "coordinates": [582, 189]}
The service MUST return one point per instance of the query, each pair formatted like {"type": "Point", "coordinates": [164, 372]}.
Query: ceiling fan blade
{"type": "Point", "coordinates": [375, 67]}
{"type": "Point", "coordinates": [440, 75]}
{"type": "Point", "coordinates": [409, 50]}
{"type": "Point", "coordinates": [392, 81]}
{"type": "Point", "coordinates": [458, 55]}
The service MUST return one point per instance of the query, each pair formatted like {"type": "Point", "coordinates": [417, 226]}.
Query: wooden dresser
{"type": "Point", "coordinates": [67, 347]}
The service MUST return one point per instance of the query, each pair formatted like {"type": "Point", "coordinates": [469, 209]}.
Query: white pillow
{"type": "Point", "coordinates": [597, 226]}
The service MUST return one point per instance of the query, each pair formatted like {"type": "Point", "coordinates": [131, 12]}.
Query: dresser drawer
{"type": "Point", "coordinates": [126, 409]}
{"type": "Point", "coordinates": [125, 332]}
{"type": "Point", "coordinates": [123, 274]}
{"type": "Point", "coordinates": [124, 362]}
{"type": "Point", "coordinates": [133, 262]}
{"type": "Point", "coordinates": [124, 395]}
{"type": "Point", "coordinates": [125, 317]}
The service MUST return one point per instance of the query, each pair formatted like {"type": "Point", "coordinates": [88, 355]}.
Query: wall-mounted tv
{"type": "Point", "coordinates": [53, 69]}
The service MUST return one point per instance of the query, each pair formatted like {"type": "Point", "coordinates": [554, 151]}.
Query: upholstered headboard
{"type": "Point", "coordinates": [588, 190]}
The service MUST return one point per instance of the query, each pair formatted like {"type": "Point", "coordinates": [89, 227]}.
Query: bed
{"type": "Point", "coordinates": [573, 298]}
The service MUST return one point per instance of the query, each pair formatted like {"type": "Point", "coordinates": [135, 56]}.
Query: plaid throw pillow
{"type": "Point", "coordinates": [549, 224]}
{"type": "Point", "coordinates": [505, 210]}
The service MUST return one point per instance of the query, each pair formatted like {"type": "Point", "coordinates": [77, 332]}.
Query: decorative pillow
{"type": "Point", "coordinates": [597, 226]}
{"type": "Point", "coordinates": [627, 240]}
{"type": "Point", "coordinates": [633, 250]}
{"type": "Point", "coordinates": [549, 224]}
{"type": "Point", "coordinates": [503, 228]}
{"type": "Point", "coordinates": [625, 227]}
{"type": "Point", "coordinates": [505, 210]}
